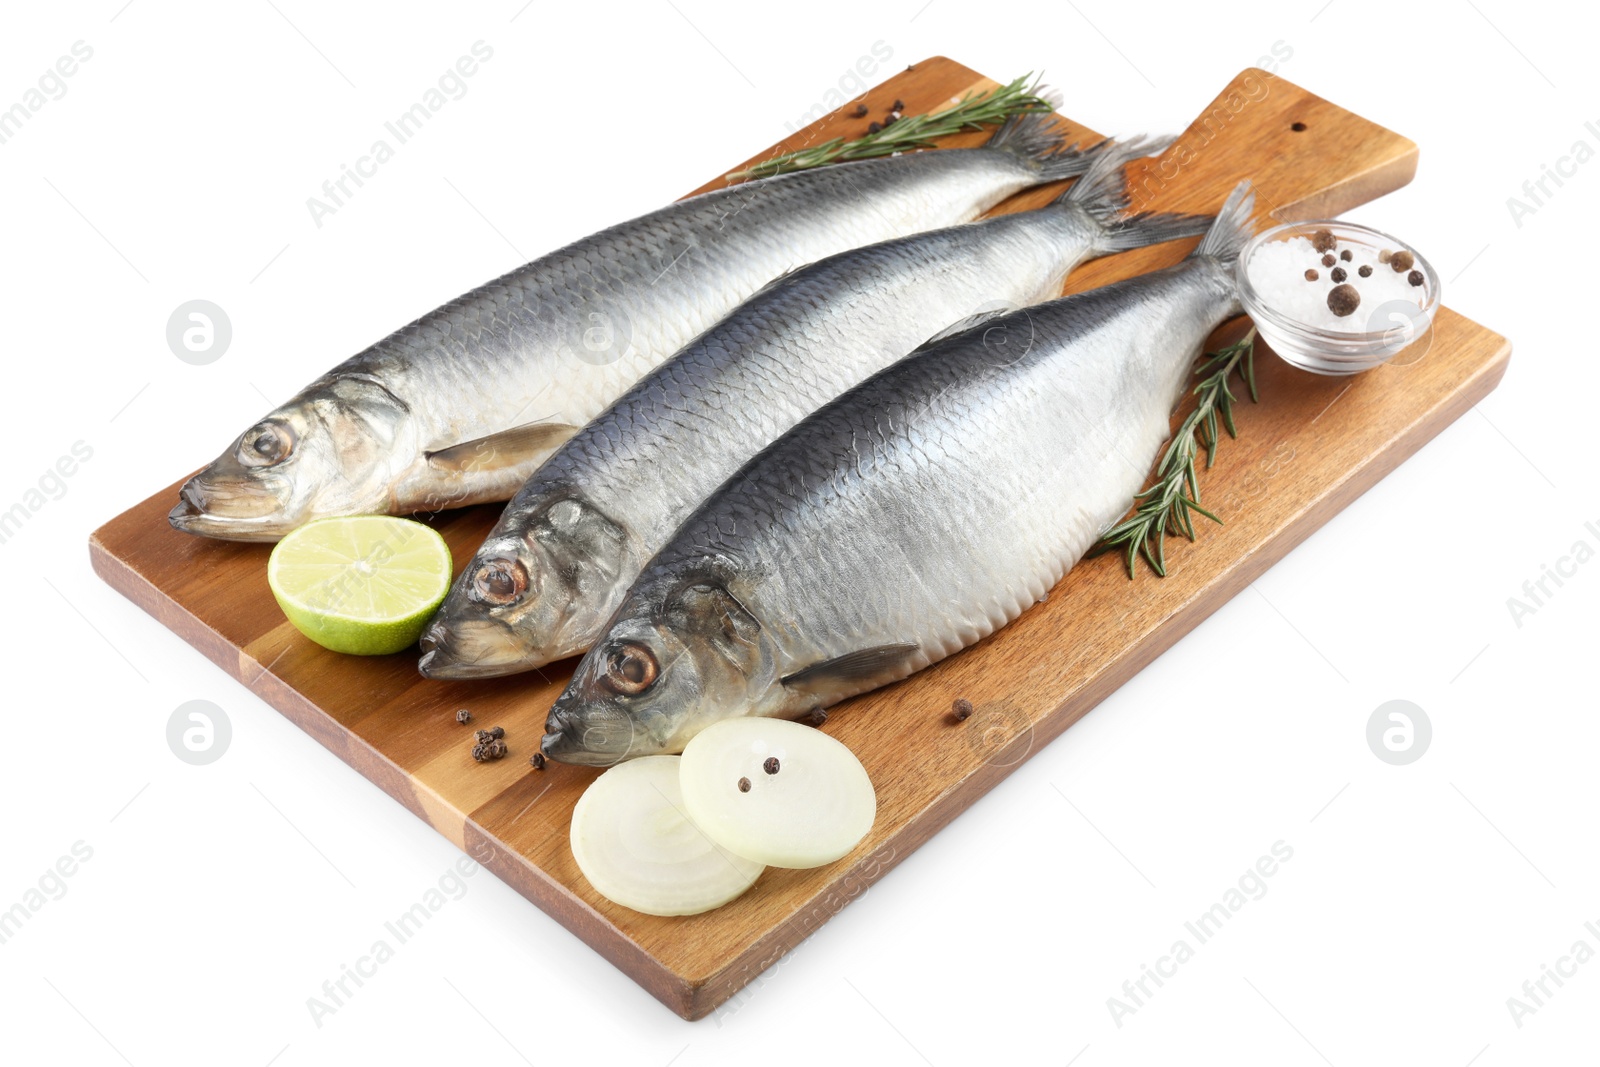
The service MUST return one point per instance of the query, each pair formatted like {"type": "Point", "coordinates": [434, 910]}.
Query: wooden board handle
{"type": "Point", "coordinates": [1311, 158]}
{"type": "Point", "coordinates": [1306, 157]}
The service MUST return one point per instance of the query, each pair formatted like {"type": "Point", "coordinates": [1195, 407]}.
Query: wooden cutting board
{"type": "Point", "coordinates": [1310, 448]}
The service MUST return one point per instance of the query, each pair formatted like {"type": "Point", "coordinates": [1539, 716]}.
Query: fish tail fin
{"type": "Point", "coordinates": [1033, 138]}
{"type": "Point", "coordinates": [1233, 228]}
{"type": "Point", "coordinates": [1103, 189]}
{"type": "Point", "coordinates": [1102, 194]}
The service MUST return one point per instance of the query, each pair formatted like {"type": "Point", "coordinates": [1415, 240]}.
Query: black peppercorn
{"type": "Point", "coordinates": [1338, 274]}
{"type": "Point", "coordinates": [1347, 255]}
{"type": "Point", "coordinates": [961, 709]}
{"type": "Point", "coordinates": [744, 785]}
{"type": "Point", "coordinates": [463, 716]}
{"type": "Point", "coordinates": [488, 750]}
{"type": "Point", "coordinates": [770, 765]}
{"type": "Point", "coordinates": [537, 760]}
{"type": "Point", "coordinates": [1343, 300]}
{"type": "Point", "coordinates": [1415, 277]}
{"type": "Point", "coordinates": [1366, 270]}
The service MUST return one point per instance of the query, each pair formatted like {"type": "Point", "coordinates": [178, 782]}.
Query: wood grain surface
{"type": "Point", "coordinates": [1310, 448]}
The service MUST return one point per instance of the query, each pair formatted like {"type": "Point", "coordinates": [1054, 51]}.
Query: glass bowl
{"type": "Point", "coordinates": [1377, 334]}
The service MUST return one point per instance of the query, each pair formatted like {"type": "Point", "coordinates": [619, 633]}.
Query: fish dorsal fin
{"type": "Point", "coordinates": [788, 272]}
{"type": "Point", "coordinates": [864, 664]}
{"type": "Point", "coordinates": [508, 448]}
{"type": "Point", "coordinates": [977, 318]}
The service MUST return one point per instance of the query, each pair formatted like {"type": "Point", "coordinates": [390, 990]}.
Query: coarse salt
{"type": "Point", "coordinates": [1277, 272]}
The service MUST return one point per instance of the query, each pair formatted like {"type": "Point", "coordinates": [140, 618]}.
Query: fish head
{"type": "Point", "coordinates": [665, 670]}
{"type": "Point", "coordinates": [537, 591]}
{"type": "Point", "coordinates": [326, 452]}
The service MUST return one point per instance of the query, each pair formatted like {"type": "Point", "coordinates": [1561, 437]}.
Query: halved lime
{"type": "Point", "coordinates": [363, 584]}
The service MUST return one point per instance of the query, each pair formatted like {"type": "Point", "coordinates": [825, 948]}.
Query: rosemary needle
{"type": "Point", "coordinates": [909, 132]}
{"type": "Point", "coordinates": [1169, 504]}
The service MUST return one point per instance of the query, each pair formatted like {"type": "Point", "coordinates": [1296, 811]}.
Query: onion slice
{"type": "Point", "coordinates": [776, 792]}
{"type": "Point", "coordinates": [638, 848]}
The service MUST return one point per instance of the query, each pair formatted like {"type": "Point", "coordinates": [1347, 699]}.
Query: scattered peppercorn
{"type": "Point", "coordinates": [961, 709]}
{"type": "Point", "coordinates": [820, 715]}
{"type": "Point", "coordinates": [484, 737]}
{"type": "Point", "coordinates": [1311, 274]}
{"type": "Point", "coordinates": [744, 785]}
{"type": "Point", "coordinates": [487, 751]}
{"type": "Point", "coordinates": [891, 118]}
{"type": "Point", "coordinates": [1338, 274]}
{"type": "Point", "coordinates": [898, 105]}
{"type": "Point", "coordinates": [1401, 262]}
{"type": "Point", "coordinates": [537, 760]}
{"type": "Point", "coordinates": [1415, 277]}
{"type": "Point", "coordinates": [1343, 300]}
{"type": "Point", "coordinates": [1347, 255]}
{"type": "Point", "coordinates": [860, 112]}
{"type": "Point", "coordinates": [770, 765]}
{"type": "Point", "coordinates": [1328, 260]}
{"type": "Point", "coordinates": [497, 732]}
{"type": "Point", "coordinates": [1366, 270]}
{"type": "Point", "coordinates": [875, 127]}
{"type": "Point", "coordinates": [1323, 241]}
{"type": "Point", "coordinates": [463, 716]}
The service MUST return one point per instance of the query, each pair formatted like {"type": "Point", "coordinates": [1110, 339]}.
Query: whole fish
{"type": "Point", "coordinates": [911, 517]}
{"type": "Point", "coordinates": [462, 405]}
{"type": "Point", "coordinates": [576, 535]}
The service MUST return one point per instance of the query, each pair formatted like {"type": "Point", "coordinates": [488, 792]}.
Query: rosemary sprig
{"type": "Point", "coordinates": [1169, 504]}
{"type": "Point", "coordinates": [910, 131]}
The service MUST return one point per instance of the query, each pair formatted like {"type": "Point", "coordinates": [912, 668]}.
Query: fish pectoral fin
{"type": "Point", "coordinates": [508, 448]}
{"type": "Point", "coordinates": [858, 666]}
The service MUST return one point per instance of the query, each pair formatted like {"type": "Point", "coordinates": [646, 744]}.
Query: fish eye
{"type": "Point", "coordinates": [265, 445]}
{"type": "Point", "coordinates": [499, 581]}
{"type": "Point", "coordinates": [631, 668]}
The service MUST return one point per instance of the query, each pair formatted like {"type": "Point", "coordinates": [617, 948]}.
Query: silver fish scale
{"type": "Point", "coordinates": [680, 431]}
{"type": "Point", "coordinates": [517, 345]}
{"type": "Point", "coordinates": [939, 499]}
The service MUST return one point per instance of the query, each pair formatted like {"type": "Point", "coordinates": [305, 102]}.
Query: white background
{"type": "Point", "coordinates": [219, 898]}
